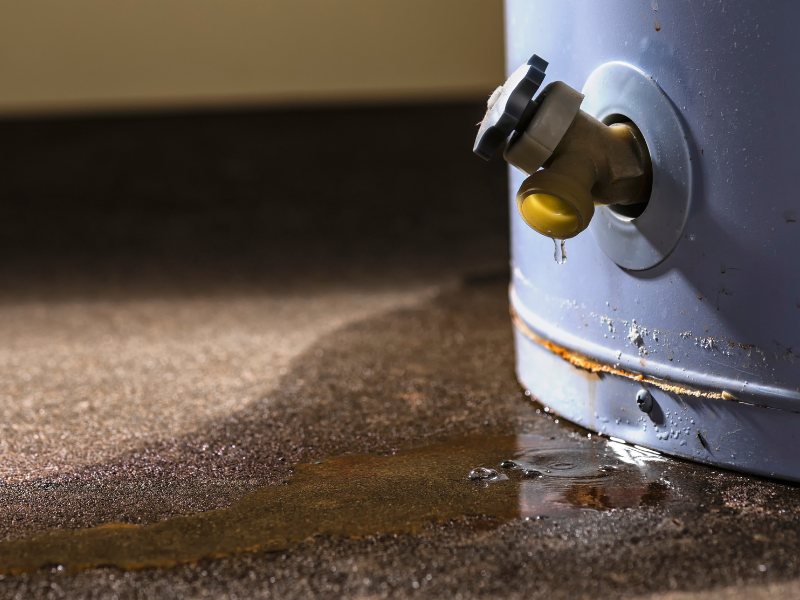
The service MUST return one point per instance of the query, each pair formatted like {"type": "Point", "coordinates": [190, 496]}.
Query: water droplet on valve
{"type": "Point", "coordinates": [561, 251]}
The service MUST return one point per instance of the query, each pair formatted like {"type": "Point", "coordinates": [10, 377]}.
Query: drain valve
{"type": "Point", "coordinates": [574, 161]}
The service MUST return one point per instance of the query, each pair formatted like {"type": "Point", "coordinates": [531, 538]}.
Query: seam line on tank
{"type": "Point", "coordinates": [589, 364]}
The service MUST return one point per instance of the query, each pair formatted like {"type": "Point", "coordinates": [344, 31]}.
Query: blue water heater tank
{"type": "Point", "coordinates": [677, 329]}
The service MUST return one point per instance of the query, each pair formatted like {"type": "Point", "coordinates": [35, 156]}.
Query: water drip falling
{"type": "Point", "coordinates": [561, 251]}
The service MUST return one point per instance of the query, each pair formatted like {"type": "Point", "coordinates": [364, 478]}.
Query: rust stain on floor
{"type": "Point", "coordinates": [360, 495]}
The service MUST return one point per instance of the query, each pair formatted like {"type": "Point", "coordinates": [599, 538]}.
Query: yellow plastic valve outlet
{"type": "Point", "coordinates": [549, 215]}
{"type": "Point", "coordinates": [555, 205]}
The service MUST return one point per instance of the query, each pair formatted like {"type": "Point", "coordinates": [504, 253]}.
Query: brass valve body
{"type": "Point", "coordinates": [593, 164]}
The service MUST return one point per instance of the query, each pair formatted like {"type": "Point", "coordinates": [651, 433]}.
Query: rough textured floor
{"type": "Point", "coordinates": [190, 307]}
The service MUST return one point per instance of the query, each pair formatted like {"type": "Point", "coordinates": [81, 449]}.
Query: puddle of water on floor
{"type": "Point", "coordinates": [355, 496]}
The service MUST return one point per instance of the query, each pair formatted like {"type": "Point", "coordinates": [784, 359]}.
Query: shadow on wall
{"type": "Point", "coordinates": [250, 199]}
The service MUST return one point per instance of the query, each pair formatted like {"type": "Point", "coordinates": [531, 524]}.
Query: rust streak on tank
{"type": "Point", "coordinates": [589, 364]}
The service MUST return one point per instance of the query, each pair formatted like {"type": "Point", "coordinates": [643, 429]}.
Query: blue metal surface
{"type": "Point", "coordinates": [729, 434]}
{"type": "Point", "coordinates": [722, 312]}
{"type": "Point", "coordinates": [616, 90]}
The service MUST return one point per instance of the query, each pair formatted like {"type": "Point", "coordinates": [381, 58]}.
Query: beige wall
{"type": "Point", "coordinates": [87, 55]}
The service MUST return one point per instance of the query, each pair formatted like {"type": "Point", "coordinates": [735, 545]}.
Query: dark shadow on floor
{"type": "Point", "coordinates": [442, 370]}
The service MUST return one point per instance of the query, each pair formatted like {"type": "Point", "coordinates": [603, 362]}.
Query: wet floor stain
{"type": "Point", "coordinates": [498, 478]}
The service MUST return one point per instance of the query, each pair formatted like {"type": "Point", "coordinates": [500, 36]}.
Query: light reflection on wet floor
{"type": "Point", "coordinates": [588, 475]}
{"type": "Point", "coordinates": [360, 495]}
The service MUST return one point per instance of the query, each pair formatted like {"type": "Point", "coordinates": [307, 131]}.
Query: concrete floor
{"type": "Point", "coordinates": [192, 308]}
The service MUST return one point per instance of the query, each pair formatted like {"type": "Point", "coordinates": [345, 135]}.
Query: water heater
{"type": "Point", "coordinates": [653, 149]}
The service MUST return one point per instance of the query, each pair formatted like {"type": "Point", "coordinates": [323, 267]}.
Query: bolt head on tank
{"type": "Point", "coordinates": [644, 400]}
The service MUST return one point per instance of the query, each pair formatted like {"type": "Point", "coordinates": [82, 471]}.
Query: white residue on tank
{"type": "Point", "coordinates": [636, 337]}
{"type": "Point", "coordinates": [608, 322]}
{"type": "Point", "coordinates": [571, 304]}
{"type": "Point", "coordinates": [707, 343]}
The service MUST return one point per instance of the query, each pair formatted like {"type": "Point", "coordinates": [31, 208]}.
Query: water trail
{"type": "Point", "coordinates": [354, 496]}
{"type": "Point", "coordinates": [561, 251]}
